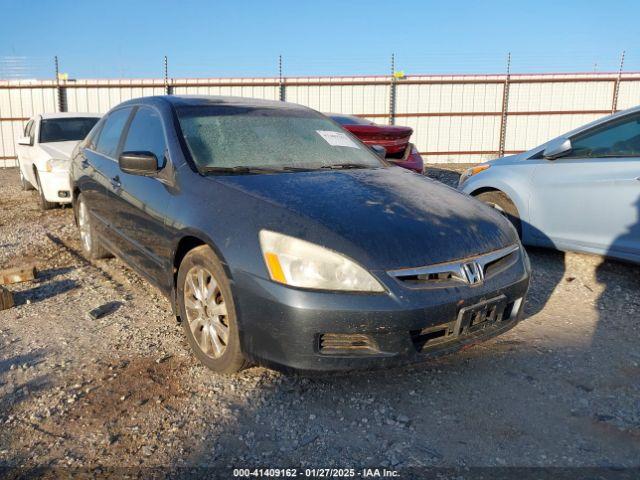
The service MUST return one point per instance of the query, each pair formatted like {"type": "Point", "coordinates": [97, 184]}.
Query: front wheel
{"type": "Point", "coordinates": [44, 203]}
{"type": "Point", "coordinates": [503, 204]}
{"type": "Point", "coordinates": [91, 246]}
{"type": "Point", "coordinates": [208, 313]}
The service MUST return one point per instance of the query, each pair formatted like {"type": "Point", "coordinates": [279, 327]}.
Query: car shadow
{"type": "Point", "coordinates": [44, 291]}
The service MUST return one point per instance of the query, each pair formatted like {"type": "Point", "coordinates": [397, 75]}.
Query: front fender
{"type": "Point", "coordinates": [516, 188]}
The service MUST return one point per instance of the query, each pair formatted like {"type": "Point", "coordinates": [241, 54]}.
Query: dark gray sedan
{"type": "Point", "coordinates": [282, 239]}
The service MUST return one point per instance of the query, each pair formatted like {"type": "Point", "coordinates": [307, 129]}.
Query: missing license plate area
{"type": "Point", "coordinates": [481, 315]}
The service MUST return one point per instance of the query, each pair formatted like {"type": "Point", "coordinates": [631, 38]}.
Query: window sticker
{"type": "Point", "coordinates": [337, 139]}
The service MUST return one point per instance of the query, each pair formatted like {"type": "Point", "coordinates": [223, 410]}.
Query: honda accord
{"type": "Point", "coordinates": [281, 239]}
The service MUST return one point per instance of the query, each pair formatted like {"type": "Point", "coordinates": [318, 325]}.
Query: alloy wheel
{"type": "Point", "coordinates": [206, 312]}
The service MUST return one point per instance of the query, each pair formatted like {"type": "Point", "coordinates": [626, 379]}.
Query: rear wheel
{"type": "Point", "coordinates": [208, 313]}
{"type": "Point", "coordinates": [44, 203]}
{"type": "Point", "coordinates": [91, 246]}
{"type": "Point", "coordinates": [503, 204]}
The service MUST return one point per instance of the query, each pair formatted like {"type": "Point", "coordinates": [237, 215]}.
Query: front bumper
{"type": "Point", "coordinates": [284, 327]}
{"type": "Point", "coordinates": [56, 186]}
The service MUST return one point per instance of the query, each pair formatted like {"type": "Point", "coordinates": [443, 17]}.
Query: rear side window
{"type": "Point", "coordinates": [620, 138]}
{"type": "Point", "coordinates": [146, 134]}
{"type": "Point", "coordinates": [110, 135]}
{"type": "Point", "coordinates": [92, 137]}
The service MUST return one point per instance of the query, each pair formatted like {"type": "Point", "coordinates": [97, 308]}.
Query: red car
{"type": "Point", "coordinates": [393, 138]}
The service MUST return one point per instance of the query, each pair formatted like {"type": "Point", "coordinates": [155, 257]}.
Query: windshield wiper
{"type": "Point", "coordinates": [257, 169]}
{"type": "Point", "coordinates": [344, 166]}
{"type": "Point", "coordinates": [240, 169]}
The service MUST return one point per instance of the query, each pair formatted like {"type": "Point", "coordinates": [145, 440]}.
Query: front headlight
{"type": "Point", "coordinates": [299, 263]}
{"type": "Point", "coordinates": [56, 165]}
{"type": "Point", "coordinates": [470, 172]}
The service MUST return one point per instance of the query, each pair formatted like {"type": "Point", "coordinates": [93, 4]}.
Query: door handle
{"type": "Point", "coordinates": [115, 182]}
{"type": "Point", "coordinates": [84, 163]}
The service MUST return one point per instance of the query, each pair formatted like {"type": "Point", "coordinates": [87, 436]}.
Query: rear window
{"type": "Point", "coordinates": [65, 129]}
{"type": "Point", "coordinates": [234, 136]}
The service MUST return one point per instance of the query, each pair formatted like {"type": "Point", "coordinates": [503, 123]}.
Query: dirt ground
{"type": "Point", "coordinates": [561, 389]}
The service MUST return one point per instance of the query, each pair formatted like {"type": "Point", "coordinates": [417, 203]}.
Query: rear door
{"type": "Point", "coordinates": [591, 197]}
{"type": "Point", "coordinates": [102, 192]}
{"type": "Point", "coordinates": [146, 200]}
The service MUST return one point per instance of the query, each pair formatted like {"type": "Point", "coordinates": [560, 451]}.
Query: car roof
{"type": "Point", "coordinates": [212, 100]}
{"type": "Point", "coordinates": [345, 115]}
{"type": "Point", "coordinates": [47, 116]}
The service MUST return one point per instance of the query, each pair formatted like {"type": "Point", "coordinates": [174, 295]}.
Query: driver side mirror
{"type": "Point", "coordinates": [557, 149]}
{"type": "Point", "coordinates": [138, 163]}
{"type": "Point", "coordinates": [379, 150]}
{"type": "Point", "coordinates": [25, 141]}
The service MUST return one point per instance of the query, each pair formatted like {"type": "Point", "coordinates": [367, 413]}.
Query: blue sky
{"type": "Point", "coordinates": [103, 39]}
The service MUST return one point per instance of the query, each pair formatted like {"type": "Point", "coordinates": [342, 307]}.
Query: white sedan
{"type": "Point", "coordinates": [44, 152]}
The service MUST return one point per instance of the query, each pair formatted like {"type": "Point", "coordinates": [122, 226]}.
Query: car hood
{"type": "Point", "coordinates": [384, 218]}
{"type": "Point", "coordinates": [60, 150]}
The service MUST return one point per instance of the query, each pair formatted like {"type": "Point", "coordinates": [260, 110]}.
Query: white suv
{"type": "Point", "coordinates": [44, 152]}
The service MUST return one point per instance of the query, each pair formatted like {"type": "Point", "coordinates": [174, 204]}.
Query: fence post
{"type": "Point", "coordinates": [168, 89]}
{"type": "Point", "coordinates": [281, 84]}
{"type": "Point", "coordinates": [392, 92]}
{"type": "Point", "coordinates": [62, 91]}
{"type": "Point", "coordinates": [616, 86]}
{"type": "Point", "coordinates": [505, 108]}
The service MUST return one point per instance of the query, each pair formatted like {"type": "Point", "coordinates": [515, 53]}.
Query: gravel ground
{"type": "Point", "coordinates": [560, 389]}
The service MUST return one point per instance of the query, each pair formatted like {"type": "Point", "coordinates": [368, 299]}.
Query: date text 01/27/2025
{"type": "Point", "coordinates": [314, 473]}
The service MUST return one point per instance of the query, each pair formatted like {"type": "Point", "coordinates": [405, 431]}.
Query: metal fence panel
{"type": "Point", "coordinates": [454, 118]}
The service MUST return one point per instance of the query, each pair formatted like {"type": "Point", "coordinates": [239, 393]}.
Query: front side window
{"type": "Point", "coordinates": [111, 132]}
{"type": "Point", "coordinates": [65, 129]}
{"type": "Point", "coordinates": [272, 137]}
{"type": "Point", "coordinates": [146, 134]}
{"type": "Point", "coordinates": [620, 138]}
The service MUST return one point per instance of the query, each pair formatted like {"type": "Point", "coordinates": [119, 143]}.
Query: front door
{"type": "Point", "coordinates": [145, 200]}
{"type": "Point", "coordinates": [591, 196]}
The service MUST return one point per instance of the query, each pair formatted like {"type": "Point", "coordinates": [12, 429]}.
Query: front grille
{"type": "Point", "coordinates": [347, 344]}
{"type": "Point", "coordinates": [457, 272]}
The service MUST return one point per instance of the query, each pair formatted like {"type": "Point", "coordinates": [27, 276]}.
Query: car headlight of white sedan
{"type": "Point", "coordinates": [299, 263]}
{"type": "Point", "coordinates": [56, 165]}
{"type": "Point", "coordinates": [470, 172]}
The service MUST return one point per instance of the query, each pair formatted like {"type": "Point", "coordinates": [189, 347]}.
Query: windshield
{"type": "Point", "coordinates": [65, 129]}
{"type": "Point", "coordinates": [238, 136]}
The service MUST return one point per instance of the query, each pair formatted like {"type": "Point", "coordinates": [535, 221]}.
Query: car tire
{"type": "Point", "coordinates": [207, 311]}
{"type": "Point", "coordinates": [504, 205]}
{"type": "Point", "coordinates": [44, 203]}
{"type": "Point", "coordinates": [24, 183]}
{"type": "Point", "coordinates": [89, 238]}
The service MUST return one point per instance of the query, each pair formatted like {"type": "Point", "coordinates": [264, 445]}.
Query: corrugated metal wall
{"type": "Point", "coordinates": [455, 118]}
